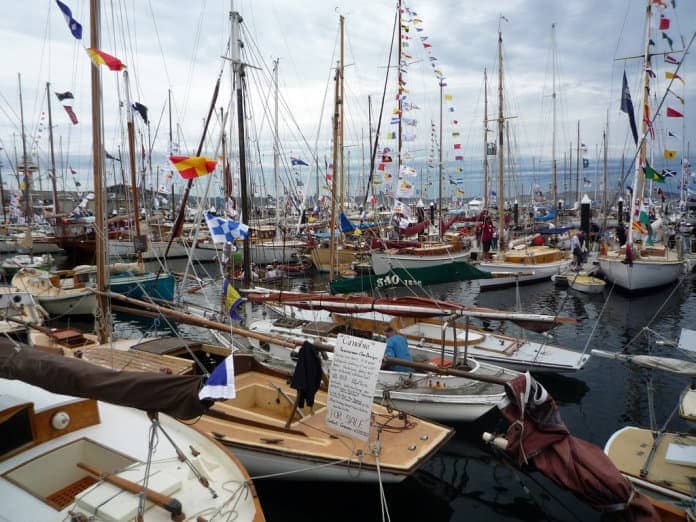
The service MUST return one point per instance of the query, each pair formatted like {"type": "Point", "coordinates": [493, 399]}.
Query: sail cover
{"type": "Point", "coordinates": [175, 395]}
{"type": "Point", "coordinates": [538, 436]}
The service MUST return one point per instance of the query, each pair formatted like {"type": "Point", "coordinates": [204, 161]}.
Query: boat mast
{"type": "Point", "coordinates": [638, 179]}
{"type": "Point", "coordinates": [553, 132]}
{"type": "Point", "coordinates": [577, 168]}
{"type": "Point", "coordinates": [133, 175]}
{"type": "Point", "coordinates": [276, 152]}
{"type": "Point", "coordinates": [340, 126]}
{"type": "Point", "coordinates": [485, 139]}
{"type": "Point", "coordinates": [238, 68]}
{"type": "Point", "coordinates": [28, 214]}
{"type": "Point", "coordinates": [501, 155]}
{"type": "Point", "coordinates": [604, 176]}
{"type": "Point", "coordinates": [399, 143]}
{"type": "Point", "coordinates": [337, 132]}
{"type": "Point", "coordinates": [439, 192]}
{"type": "Point", "coordinates": [54, 192]}
{"type": "Point", "coordinates": [98, 166]}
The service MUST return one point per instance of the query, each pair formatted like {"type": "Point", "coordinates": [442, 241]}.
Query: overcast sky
{"type": "Point", "coordinates": [178, 45]}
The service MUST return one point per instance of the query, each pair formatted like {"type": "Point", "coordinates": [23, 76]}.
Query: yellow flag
{"type": "Point", "coordinates": [448, 97]}
{"type": "Point", "coordinates": [670, 154]}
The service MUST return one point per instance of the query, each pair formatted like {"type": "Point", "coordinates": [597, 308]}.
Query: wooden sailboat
{"type": "Point", "coordinates": [639, 266]}
{"type": "Point", "coordinates": [523, 264]}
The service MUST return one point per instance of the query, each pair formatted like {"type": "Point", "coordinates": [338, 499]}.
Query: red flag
{"type": "Point", "coordinates": [380, 166]}
{"type": "Point", "coordinates": [671, 113]}
{"type": "Point", "coordinates": [191, 167]}
{"type": "Point", "coordinates": [101, 58]}
{"type": "Point", "coordinates": [457, 145]}
{"type": "Point", "coordinates": [664, 23]}
{"type": "Point", "coordinates": [71, 114]}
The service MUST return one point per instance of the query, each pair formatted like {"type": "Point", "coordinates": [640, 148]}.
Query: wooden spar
{"type": "Point", "coordinates": [179, 223]}
{"type": "Point", "coordinates": [56, 205]}
{"type": "Point", "coordinates": [214, 325]}
{"type": "Point", "coordinates": [170, 504]}
{"type": "Point", "coordinates": [131, 163]}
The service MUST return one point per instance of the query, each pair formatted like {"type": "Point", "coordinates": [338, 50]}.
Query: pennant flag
{"type": "Point", "coordinates": [391, 135]}
{"type": "Point", "coordinates": [650, 72]}
{"type": "Point", "coordinates": [664, 23]}
{"type": "Point", "coordinates": [671, 76]}
{"type": "Point", "coordinates": [232, 300]}
{"type": "Point", "coordinates": [665, 36]}
{"type": "Point", "coordinates": [101, 58]}
{"type": "Point", "coordinates": [220, 384]}
{"type": "Point", "coordinates": [457, 146]}
{"type": "Point", "coordinates": [110, 157]}
{"type": "Point", "coordinates": [224, 230]}
{"type": "Point", "coordinates": [448, 97]}
{"type": "Point", "coordinates": [73, 25]}
{"type": "Point", "coordinates": [71, 114]}
{"type": "Point", "coordinates": [671, 59]}
{"type": "Point", "coordinates": [459, 158]}
{"type": "Point", "coordinates": [670, 154]}
{"type": "Point", "coordinates": [380, 166]}
{"type": "Point", "coordinates": [142, 110]}
{"type": "Point", "coordinates": [627, 107]}
{"type": "Point", "coordinates": [297, 161]}
{"type": "Point", "coordinates": [651, 173]}
{"type": "Point", "coordinates": [671, 113]}
{"type": "Point", "coordinates": [191, 167]}
{"type": "Point", "coordinates": [455, 134]}
{"type": "Point", "coordinates": [395, 120]}
{"type": "Point", "coordinates": [386, 159]}
{"type": "Point", "coordinates": [67, 95]}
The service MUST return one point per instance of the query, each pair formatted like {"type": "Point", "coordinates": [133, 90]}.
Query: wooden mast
{"type": "Point", "coordinates": [440, 168]}
{"type": "Point", "coordinates": [54, 193]}
{"type": "Point", "coordinates": [133, 175]}
{"type": "Point", "coordinates": [501, 153]}
{"type": "Point", "coordinates": [485, 139]}
{"type": "Point", "coordinates": [98, 166]}
{"type": "Point", "coordinates": [276, 143]}
{"type": "Point", "coordinates": [337, 154]}
{"type": "Point", "coordinates": [553, 132]}
{"type": "Point", "coordinates": [238, 69]}
{"type": "Point", "coordinates": [28, 207]}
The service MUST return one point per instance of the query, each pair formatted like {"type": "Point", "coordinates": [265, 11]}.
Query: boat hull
{"type": "Point", "coordinates": [83, 303]}
{"type": "Point", "coordinates": [384, 262]}
{"type": "Point", "coordinates": [528, 274]}
{"type": "Point", "coordinates": [141, 285]}
{"type": "Point", "coordinates": [457, 271]}
{"type": "Point", "coordinates": [642, 274]}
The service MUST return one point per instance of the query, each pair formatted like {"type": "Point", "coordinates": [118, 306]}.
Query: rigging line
{"type": "Point", "coordinates": [381, 109]}
{"type": "Point", "coordinates": [192, 63]}
{"type": "Point", "coordinates": [159, 43]}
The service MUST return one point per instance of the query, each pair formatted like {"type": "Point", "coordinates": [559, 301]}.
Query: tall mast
{"type": "Point", "coordinates": [98, 166]}
{"type": "Point", "coordinates": [501, 154]}
{"type": "Point", "coordinates": [54, 193]}
{"type": "Point", "coordinates": [238, 66]}
{"type": "Point", "coordinates": [638, 179]}
{"type": "Point", "coordinates": [553, 140]}
{"type": "Point", "coordinates": [604, 176]}
{"type": "Point", "coordinates": [276, 151]}
{"type": "Point", "coordinates": [28, 213]}
{"type": "Point", "coordinates": [439, 193]}
{"type": "Point", "coordinates": [340, 124]}
{"type": "Point", "coordinates": [337, 153]}
{"type": "Point", "coordinates": [133, 173]}
{"type": "Point", "coordinates": [485, 139]}
{"type": "Point", "coordinates": [399, 143]}
{"type": "Point", "coordinates": [577, 168]}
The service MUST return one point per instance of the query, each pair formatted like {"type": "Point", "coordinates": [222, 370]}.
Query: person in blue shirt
{"type": "Point", "coordinates": [396, 347]}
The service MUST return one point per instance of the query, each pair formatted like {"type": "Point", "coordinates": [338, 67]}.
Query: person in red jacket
{"type": "Point", "coordinates": [487, 237]}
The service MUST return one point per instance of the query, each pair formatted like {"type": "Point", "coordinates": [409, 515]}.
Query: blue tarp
{"type": "Point", "coordinates": [548, 217]}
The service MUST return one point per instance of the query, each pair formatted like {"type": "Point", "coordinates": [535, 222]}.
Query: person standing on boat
{"type": "Point", "coordinates": [487, 237]}
{"type": "Point", "coordinates": [576, 248]}
{"type": "Point", "coordinates": [397, 347]}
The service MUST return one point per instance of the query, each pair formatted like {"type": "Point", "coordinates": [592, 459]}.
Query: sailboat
{"type": "Point", "coordinates": [522, 263]}
{"type": "Point", "coordinates": [639, 265]}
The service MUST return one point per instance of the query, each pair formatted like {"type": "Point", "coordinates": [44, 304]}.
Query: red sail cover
{"type": "Point", "coordinates": [461, 218]}
{"type": "Point", "coordinates": [412, 230]}
{"type": "Point", "coordinates": [537, 436]}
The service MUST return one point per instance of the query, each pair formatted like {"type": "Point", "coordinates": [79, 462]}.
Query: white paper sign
{"type": "Point", "coordinates": [354, 371]}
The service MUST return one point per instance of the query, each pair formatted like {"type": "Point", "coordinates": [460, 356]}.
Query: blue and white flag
{"type": "Point", "coordinates": [220, 384]}
{"type": "Point", "coordinates": [74, 26]}
{"type": "Point", "coordinates": [224, 230]}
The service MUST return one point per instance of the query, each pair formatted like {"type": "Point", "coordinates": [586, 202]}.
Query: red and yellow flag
{"type": "Point", "coordinates": [101, 58]}
{"type": "Point", "coordinates": [191, 167]}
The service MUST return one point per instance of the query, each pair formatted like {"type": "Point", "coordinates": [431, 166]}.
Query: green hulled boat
{"type": "Point", "coordinates": [457, 271]}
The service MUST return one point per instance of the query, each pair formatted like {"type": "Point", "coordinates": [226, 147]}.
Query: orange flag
{"type": "Point", "coordinates": [101, 58]}
{"type": "Point", "coordinates": [191, 167]}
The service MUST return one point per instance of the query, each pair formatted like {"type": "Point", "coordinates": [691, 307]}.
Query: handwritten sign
{"type": "Point", "coordinates": [354, 371]}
